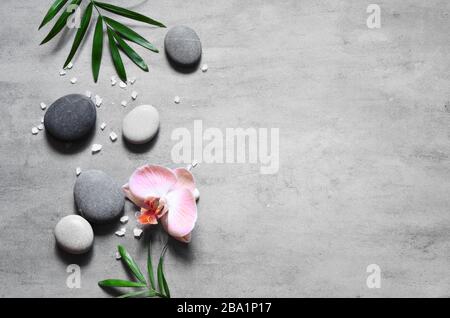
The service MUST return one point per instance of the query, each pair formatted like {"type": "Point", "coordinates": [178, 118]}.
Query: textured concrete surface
{"type": "Point", "coordinates": [364, 149]}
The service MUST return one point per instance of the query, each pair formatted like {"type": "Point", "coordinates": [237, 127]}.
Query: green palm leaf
{"type": "Point", "coordinates": [85, 21]}
{"type": "Point", "coordinates": [147, 293]}
{"type": "Point", "coordinates": [130, 52]}
{"type": "Point", "coordinates": [120, 283]}
{"type": "Point", "coordinates": [97, 48]}
{"type": "Point", "coordinates": [128, 14]}
{"type": "Point", "coordinates": [123, 253]}
{"type": "Point", "coordinates": [130, 34]}
{"type": "Point", "coordinates": [54, 9]}
{"type": "Point", "coordinates": [60, 23]}
{"type": "Point", "coordinates": [162, 283]}
{"type": "Point", "coordinates": [151, 278]}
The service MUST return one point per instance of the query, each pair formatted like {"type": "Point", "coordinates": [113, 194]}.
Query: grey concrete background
{"type": "Point", "coordinates": [364, 149]}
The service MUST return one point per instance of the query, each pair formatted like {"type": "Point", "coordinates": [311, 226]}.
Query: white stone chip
{"type": "Point", "coordinates": [103, 126]}
{"type": "Point", "coordinates": [96, 148]}
{"type": "Point", "coordinates": [121, 232]}
{"type": "Point", "coordinates": [113, 81]}
{"type": "Point", "coordinates": [98, 101]}
{"type": "Point", "coordinates": [42, 120]}
{"type": "Point", "coordinates": [43, 106]}
{"type": "Point", "coordinates": [196, 194]}
{"type": "Point", "coordinates": [78, 171]}
{"type": "Point", "coordinates": [113, 136]}
{"type": "Point", "coordinates": [204, 68]}
{"type": "Point", "coordinates": [122, 85]}
{"type": "Point", "coordinates": [124, 103]}
{"type": "Point", "coordinates": [132, 80]}
{"type": "Point", "coordinates": [134, 95]}
{"type": "Point", "coordinates": [62, 73]}
{"type": "Point", "coordinates": [69, 66]}
{"type": "Point", "coordinates": [124, 219]}
{"type": "Point", "coordinates": [118, 256]}
{"type": "Point", "coordinates": [40, 126]}
{"type": "Point", "coordinates": [137, 232]}
{"type": "Point", "coordinates": [34, 131]}
{"type": "Point", "coordinates": [89, 94]}
{"type": "Point", "coordinates": [73, 80]}
{"type": "Point", "coordinates": [177, 99]}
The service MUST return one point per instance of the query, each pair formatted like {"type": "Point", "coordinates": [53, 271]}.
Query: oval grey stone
{"type": "Point", "coordinates": [183, 45]}
{"type": "Point", "coordinates": [98, 197]}
{"type": "Point", "coordinates": [74, 234]}
{"type": "Point", "coordinates": [141, 124]}
{"type": "Point", "coordinates": [70, 117]}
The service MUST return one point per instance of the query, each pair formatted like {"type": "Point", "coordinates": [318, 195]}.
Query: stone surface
{"type": "Point", "coordinates": [74, 234]}
{"type": "Point", "coordinates": [183, 45]}
{"type": "Point", "coordinates": [363, 178]}
{"type": "Point", "coordinates": [98, 197]}
{"type": "Point", "coordinates": [141, 124]}
{"type": "Point", "coordinates": [70, 117]}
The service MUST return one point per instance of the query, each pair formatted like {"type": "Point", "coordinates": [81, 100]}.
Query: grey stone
{"type": "Point", "coordinates": [183, 45]}
{"type": "Point", "coordinates": [98, 197]}
{"type": "Point", "coordinates": [74, 234]}
{"type": "Point", "coordinates": [141, 124]}
{"type": "Point", "coordinates": [70, 117]}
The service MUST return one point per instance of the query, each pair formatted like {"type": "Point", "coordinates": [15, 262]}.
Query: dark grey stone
{"type": "Point", "coordinates": [98, 197]}
{"type": "Point", "coordinates": [183, 45]}
{"type": "Point", "coordinates": [70, 117]}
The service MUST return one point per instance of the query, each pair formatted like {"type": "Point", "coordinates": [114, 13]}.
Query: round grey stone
{"type": "Point", "coordinates": [70, 117]}
{"type": "Point", "coordinates": [98, 197]}
{"type": "Point", "coordinates": [183, 45]}
{"type": "Point", "coordinates": [141, 124]}
{"type": "Point", "coordinates": [74, 234]}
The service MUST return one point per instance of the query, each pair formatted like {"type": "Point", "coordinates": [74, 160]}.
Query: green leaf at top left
{"type": "Point", "coordinates": [97, 48]}
{"type": "Point", "coordinates": [60, 23]}
{"type": "Point", "coordinates": [54, 9]}
{"type": "Point", "coordinates": [80, 33]}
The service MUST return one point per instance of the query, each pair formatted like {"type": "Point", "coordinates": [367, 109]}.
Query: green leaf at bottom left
{"type": "Point", "coordinates": [120, 283]}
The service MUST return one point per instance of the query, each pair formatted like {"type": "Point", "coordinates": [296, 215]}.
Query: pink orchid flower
{"type": "Point", "coordinates": [166, 195]}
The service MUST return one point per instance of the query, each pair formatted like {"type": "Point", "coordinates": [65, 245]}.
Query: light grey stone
{"type": "Point", "coordinates": [74, 234]}
{"type": "Point", "coordinates": [183, 45]}
{"type": "Point", "coordinates": [141, 124]}
{"type": "Point", "coordinates": [98, 197]}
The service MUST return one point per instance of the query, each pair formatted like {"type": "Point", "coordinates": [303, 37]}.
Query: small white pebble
{"type": "Point", "coordinates": [196, 194]}
{"type": "Point", "coordinates": [40, 127]}
{"type": "Point", "coordinates": [96, 148]}
{"type": "Point", "coordinates": [113, 136]}
{"type": "Point", "coordinates": [137, 232]}
{"type": "Point", "coordinates": [62, 73]}
{"type": "Point", "coordinates": [98, 101]}
{"type": "Point", "coordinates": [124, 219]}
{"type": "Point", "coordinates": [118, 256]}
{"type": "Point", "coordinates": [121, 232]}
{"type": "Point", "coordinates": [43, 106]}
{"type": "Point", "coordinates": [177, 99]}
{"type": "Point", "coordinates": [124, 103]}
{"type": "Point", "coordinates": [134, 95]}
{"type": "Point", "coordinates": [69, 66]}
{"type": "Point", "coordinates": [204, 68]}
{"type": "Point", "coordinates": [42, 120]}
{"type": "Point", "coordinates": [73, 80]}
{"type": "Point", "coordinates": [34, 131]}
{"type": "Point", "coordinates": [132, 80]}
{"type": "Point", "coordinates": [113, 81]}
{"type": "Point", "coordinates": [122, 85]}
{"type": "Point", "coordinates": [89, 94]}
{"type": "Point", "coordinates": [103, 126]}
{"type": "Point", "coordinates": [78, 171]}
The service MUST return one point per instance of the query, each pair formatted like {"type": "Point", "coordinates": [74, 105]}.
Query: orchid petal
{"type": "Point", "coordinates": [185, 179]}
{"type": "Point", "coordinates": [182, 213]}
{"type": "Point", "coordinates": [151, 181]}
{"type": "Point", "coordinates": [184, 239]}
{"type": "Point", "coordinates": [126, 189]}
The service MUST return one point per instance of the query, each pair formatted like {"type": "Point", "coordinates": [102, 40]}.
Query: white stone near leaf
{"type": "Point", "coordinates": [204, 68]}
{"type": "Point", "coordinates": [98, 101]}
{"type": "Point", "coordinates": [137, 232]}
{"type": "Point", "coordinates": [121, 232]}
{"type": "Point", "coordinates": [43, 106]}
{"type": "Point", "coordinates": [78, 171]}
{"type": "Point", "coordinates": [132, 80]}
{"type": "Point", "coordinates": [34, 131]}
{"type": "Point", "coordinates": [113, 81]}
{"type": "Point", "coordinates": [96, 148]}
{"type": "Point", "coordinates": [73, 80]}
{"type": "Point", "coordinates": [124, 219]}
{"type": "Point", "coordinates": [69, 66]}
{"type": "Point", "coordinates": [118, 256]}
{"type": "Point", "coordinates": [177, 99]}
{"type": "Point", "coordinates": [113, 136]}
{"type": "Point", "coordinates": [124, 103]}
{"type": "Point", "coordinates": [103, 126]}
{"type": "Point", "coordinates": [122, 85]}
{"type": "Point", "coordinates": [62, 73]}
{"type": "Point", "coordinates": [134, 95]}
{"type": "Point", "coordinates": [40, 126]}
